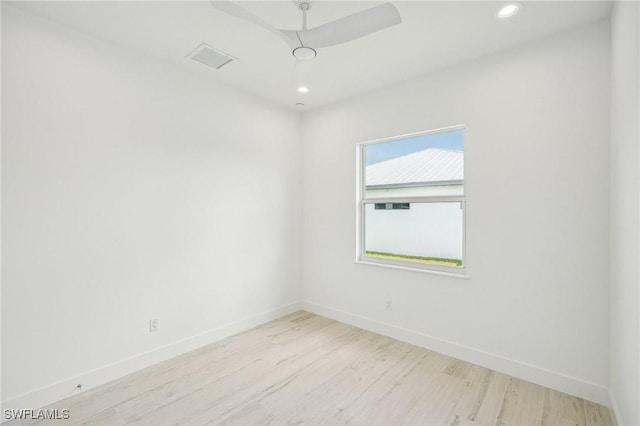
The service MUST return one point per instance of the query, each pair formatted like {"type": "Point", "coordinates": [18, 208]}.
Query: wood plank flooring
{"type": "Point", "coordinates": [306, 369]}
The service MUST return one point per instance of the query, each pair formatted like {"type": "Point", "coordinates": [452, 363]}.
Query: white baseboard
{"type": "Point", "coordinates": [531, 373]}
{"type": "Point", "coordinates": [62, 389]}
{"type": "Point", "coordinates": [614, 409]}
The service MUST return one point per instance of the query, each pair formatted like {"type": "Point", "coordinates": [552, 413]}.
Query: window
{"type": "Point", "coordinates": [411, 207]}
{"type": "Point", "coordinates": [393, 206]}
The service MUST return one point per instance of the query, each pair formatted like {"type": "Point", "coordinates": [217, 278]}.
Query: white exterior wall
{"type": "Point", "coordinates": [425, 229]}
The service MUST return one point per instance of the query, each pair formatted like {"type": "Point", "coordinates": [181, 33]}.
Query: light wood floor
{"type": "Point", "coordinates": [306, 369]}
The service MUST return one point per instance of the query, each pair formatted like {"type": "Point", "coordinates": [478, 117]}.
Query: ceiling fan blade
{"type": "Point", "coordinates": [233, 9]}
{"type": "Point", "coordinates": [291, 37]}
{"type": "Point", "coordinates": [352, 27]}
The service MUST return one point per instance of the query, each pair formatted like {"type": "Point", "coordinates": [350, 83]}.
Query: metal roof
{"type": "Point", "coordinates": [430, 166]}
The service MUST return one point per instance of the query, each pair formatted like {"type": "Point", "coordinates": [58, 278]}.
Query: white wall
{"type": "Point", "coordinates": [625, 213]}
{"type": "Point", "coordinates": [429, 230]}
{"type": "Point", "coordinates": [132, 190]}
{"type": "Point", "coordinates": [425, 229]}
{"type": "Point", "coordinates": [536, 182]}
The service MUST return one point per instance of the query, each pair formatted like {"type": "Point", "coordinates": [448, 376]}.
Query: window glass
{"type": "Point", "coordinates": [412, 202]}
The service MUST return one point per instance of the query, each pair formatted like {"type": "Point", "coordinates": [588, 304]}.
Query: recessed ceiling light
{"type": "Point", "coordinates": [299, 104]}
{"type": "Point", "coordinates": [303, 89]}
{"type": "Point", "coordinates": [509, 10]}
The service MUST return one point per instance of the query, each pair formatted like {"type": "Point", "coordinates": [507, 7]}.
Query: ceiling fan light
{"type": "Point", "coordinates": [304, 53]}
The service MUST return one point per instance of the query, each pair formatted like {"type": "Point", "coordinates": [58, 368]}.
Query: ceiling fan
{"type": "Point", "coordinates": [305, 42]}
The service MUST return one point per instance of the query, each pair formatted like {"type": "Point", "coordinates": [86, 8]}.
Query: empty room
{"type": "Point", "coordinates": [323, 212]}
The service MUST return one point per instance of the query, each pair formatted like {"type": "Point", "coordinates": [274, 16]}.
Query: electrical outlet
{"type": "Point", "coordinates": [153, 325]}
{"type": "Point", "coordinates": [389, 305]}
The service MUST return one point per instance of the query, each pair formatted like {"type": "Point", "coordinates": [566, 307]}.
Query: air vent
{"type": "Point", "coordinates": [210, 56]}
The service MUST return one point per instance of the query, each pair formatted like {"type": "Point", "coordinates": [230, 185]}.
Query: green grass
{"type": "Point", "coordinates": [422, 259]}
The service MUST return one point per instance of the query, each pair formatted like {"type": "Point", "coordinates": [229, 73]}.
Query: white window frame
{"type": "Point", "coordinates": [362, 201]}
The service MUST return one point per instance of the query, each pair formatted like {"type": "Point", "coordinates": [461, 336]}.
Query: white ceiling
{"type": "Point", "coordinates": [432, 35]}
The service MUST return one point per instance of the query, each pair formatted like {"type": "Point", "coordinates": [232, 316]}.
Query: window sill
{"type": "Point", "coordinates": [462, 275]}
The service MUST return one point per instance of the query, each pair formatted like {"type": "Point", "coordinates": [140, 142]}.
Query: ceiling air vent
{"type": "Point", "coordinates": [210, 56]}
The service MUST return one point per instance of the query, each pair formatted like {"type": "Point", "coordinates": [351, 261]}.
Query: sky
{"type": "Point", "coordinates": [377, 152]}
